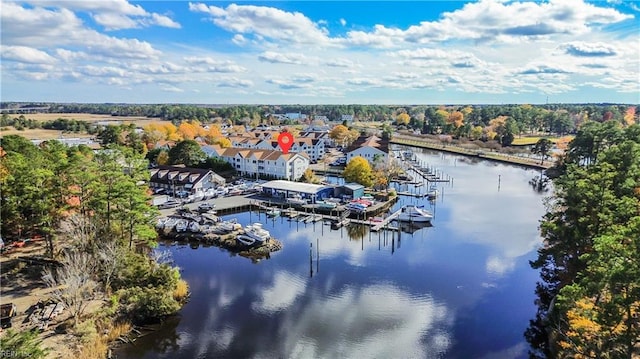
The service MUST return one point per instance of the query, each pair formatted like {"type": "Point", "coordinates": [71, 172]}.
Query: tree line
{"type": "Point", "coordinates": [588, 296]}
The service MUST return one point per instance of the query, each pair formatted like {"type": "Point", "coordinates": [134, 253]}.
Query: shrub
{"type": "Point", "coordinates": [21, 345]}
{"type": "Point", "coordinates": [181, 291]}
{"type": "Point", "coordinates": [145, 305]}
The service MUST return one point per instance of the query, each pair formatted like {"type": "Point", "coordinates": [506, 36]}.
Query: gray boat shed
{"type": "Point", "coordinates": [289, 189]}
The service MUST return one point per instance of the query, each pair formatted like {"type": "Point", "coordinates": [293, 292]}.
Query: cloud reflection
{"type": "Point", "coordinates": [377, 321]}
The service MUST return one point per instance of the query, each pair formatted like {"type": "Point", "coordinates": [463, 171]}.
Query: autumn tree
{"type": "Point", "coordinates": [309, 176]}
{"type": "Point", "coordinates": [359, 170]}
{"type": "Point", "coordinates": [403, 119]}
{"type": "Point", "coordinates": [339, 133]}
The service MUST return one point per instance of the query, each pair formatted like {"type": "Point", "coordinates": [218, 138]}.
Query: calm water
{"type": "Point", "coordinates": [460, 289]}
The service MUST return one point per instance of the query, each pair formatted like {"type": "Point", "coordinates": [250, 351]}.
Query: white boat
{"type": "Point", "coordinates": [297, 199]}
{"type": "Point", "coordinates": [181, 225]}
{"type": "Point", "coordinates": [230, 225]}
{"type": "Point", "coordinates": [273, 212]}
{"type": "Point", "coordinates": [411, 213]}
{"type": "Point", "coordinates": [256, 232]}
{"type": "Point", "coordinates": [245, 240]}
{"type": "Point", "coordinates": [326, 204]}
{"type": "Point", "coordinates": [194, 227]}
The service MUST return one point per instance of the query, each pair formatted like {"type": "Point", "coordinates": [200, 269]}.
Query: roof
{"type": "Point", "coordinates": [294, 186]}
{"type": "Point", "coordinates": [353, 186]}
{"type": "Point", "coordinates": [178, 175]}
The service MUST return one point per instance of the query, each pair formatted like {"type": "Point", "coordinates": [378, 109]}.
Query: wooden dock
{"type": "Point", "coordinates": [385, 222]}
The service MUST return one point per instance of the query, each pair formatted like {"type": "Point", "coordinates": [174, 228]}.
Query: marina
{"type": "Point", "coordinates": [456, 280]}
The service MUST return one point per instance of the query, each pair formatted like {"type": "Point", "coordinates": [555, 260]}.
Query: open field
{"type": "Point", "coordinates": [42, 134]}
{"type": "Point", "coordinates": [88, 117]}
{"type": "Point", "coordinates": [525, 141]}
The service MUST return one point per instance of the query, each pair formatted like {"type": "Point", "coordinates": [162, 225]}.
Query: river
{"type": "Point", "coordinates": [462, 288]}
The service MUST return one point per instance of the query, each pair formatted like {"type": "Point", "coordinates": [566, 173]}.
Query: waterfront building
{"type": "Point", "coordinates": [305, 191]}
{"type": "Point", "coordinates": [262, 163]}
{"type": "Point", "coordinates": [180, 178]}
{"type": "Point", "coordinates": [370, 148]}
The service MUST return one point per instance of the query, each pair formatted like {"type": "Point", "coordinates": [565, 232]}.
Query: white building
{"type": "Point", "coordinates": [264, 163]}
{"type": "Point", "coordinates": [369, 148]}
{"type": "Point", "coordinates": [348, 118]}
{"type": "Point", "coordinates": [313, 147]}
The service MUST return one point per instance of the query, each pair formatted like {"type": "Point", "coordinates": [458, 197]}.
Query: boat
{"type": "Point", "coordinates": [326, 204]}
{"type": "Point", "coordinates": [433, 191]}
{"type": "Point", "coordinates": [230, 225]}
{"type": "Point", "coordinates": [181, 225]}
{"type": "Point", "coordinates": [296, 201]}
{"type": "Point", "coordinates": [413, 227]}
{"type": "Point", "coordinates": [411, 213]}
{"type": "Point", "coordinates": [256, 232]}
{"type": "Point", "coordinates": [357, 207]}
{"type": "Point", "coordinates": [273, 212]}
{"type": "Point", "coordinates": [194, 227]}
{"type": "Point", "coordinates": [245, 240]}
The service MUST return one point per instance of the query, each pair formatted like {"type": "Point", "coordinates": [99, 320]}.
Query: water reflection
{"type": "Point", "coordinates": [375, 321]}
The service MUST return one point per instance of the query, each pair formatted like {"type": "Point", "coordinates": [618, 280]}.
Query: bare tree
{"type": "Point", "coordinates": [109, 255]}
{"type": "Point", "coordinates": [73, 283]}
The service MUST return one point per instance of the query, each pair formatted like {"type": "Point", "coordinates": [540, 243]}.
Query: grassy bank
{"type": "Point", "coordinates": [492, 156]}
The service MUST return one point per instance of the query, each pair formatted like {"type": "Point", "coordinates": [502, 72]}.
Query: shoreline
{"type": "Point", "coordinates": [490, 156]}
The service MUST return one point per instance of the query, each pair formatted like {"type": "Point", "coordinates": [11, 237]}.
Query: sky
{"type": "Point", "coordinates": [321, 52]}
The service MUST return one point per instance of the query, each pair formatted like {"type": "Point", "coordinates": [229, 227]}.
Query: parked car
{"type": "Point", "coordinates": [204, 207]}
{"type": "Point", "coordinates": [159, 191]}
{"type": "Point", "coordinates": [182, 194]}
{"type": "Point", "coordinates": [169, 204]}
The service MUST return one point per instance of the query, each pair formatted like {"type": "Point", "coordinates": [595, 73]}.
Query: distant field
{"type": "Point", "coordinates": [42, 134]}
{"type": "Point", "coordinates": [525, 141]}
{"type": "Point", "coordinates": [88, 117]}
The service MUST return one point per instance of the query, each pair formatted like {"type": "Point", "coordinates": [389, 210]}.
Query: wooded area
{"type": "Point", "coordinates": [589, 293]}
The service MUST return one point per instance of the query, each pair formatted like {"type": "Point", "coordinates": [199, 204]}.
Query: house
{"type": "Point", "coordinates": [265, 163]}
{"type": "Point", "coordinates": [371, 148]}
{"type": "Point", "coordinates": [180, 178]}
{"type": "Point", "coordinates": [348, 118]}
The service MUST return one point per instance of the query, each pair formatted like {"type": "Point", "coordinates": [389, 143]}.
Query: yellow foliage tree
{"type": "Point", "coordinates": [189, 131]}
{"type": "Point", "coordinates": [359, 170]}
{"type": "Point", "coordinates": [629, 116]}
{"type": "Point", "coordinates": [222, 142]}
{"type": "Point", "coordinates": [163, 158]}
{"type": "Point", "coordinates": [403, 119]}
{"type": "Point", "coordinates": [476, 133]}
{"type": "Point", "coordinates": [338, 133]}
{"type": "Point", "coordinates": [456, 118]}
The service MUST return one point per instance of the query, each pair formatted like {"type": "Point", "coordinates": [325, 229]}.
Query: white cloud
{"type": "Point", "coordinates": [585, 49]}
{"type": "Point", "coordinates": [343, 22]}
{"type": "Point", "coordinates": [23, 26]}
{"type": "Point", "coordinates": [234, 82]}
{"type": "Point", "coordinates": [288, 58]}
{"type": "Point", "coordinates": [266, 22]}
{"type": "Point", "coordinates": [26, 54]}
{"type": "Point", "coordinates": [113, 14]}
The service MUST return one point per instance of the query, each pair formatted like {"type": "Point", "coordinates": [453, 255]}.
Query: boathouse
{"type": "Point", "coordinates": [351, 190]}
{"type": "Point", "coordinates": [289, 189]}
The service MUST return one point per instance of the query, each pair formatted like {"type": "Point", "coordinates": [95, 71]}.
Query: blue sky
{"type": "Point", "coordinates": [324, 52]}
